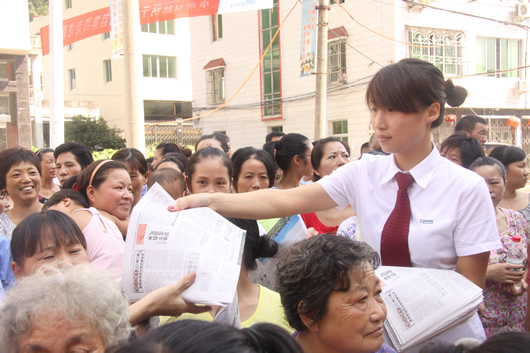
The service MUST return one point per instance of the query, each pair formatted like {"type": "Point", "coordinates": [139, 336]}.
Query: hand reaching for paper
{"type": "Point", "coordinates": [192, 201]}
{"type": "Point", "coordinates": [166, 301]}
{"type": "Point", "coordinates": [503, 273]}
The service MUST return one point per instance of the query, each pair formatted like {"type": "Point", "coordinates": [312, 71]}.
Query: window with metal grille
{"type": "Point", "coordinates": [270, 67]}
{"type": "Point", "coordinates": [337, 61]}
{"type": "Point", "coordinates": [215, 85]}
{"type": "Point", "coordinates": [498, 57]}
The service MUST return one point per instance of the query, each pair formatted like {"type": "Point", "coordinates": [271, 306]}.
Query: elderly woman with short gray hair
{"type": "Point", "coordinates": [63, 310]}
{"type": "Point", "coordinates": [332, 296]}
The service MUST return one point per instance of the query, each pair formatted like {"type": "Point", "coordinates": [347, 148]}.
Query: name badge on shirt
{"type": "Point", "coordinates": [426, 221]}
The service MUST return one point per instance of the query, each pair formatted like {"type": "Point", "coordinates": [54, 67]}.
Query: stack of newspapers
{"type": "Point", "coordinates": [424, 302]}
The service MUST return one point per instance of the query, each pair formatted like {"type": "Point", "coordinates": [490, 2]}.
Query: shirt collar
{"type": "Point", "coordinates": [422, 172]}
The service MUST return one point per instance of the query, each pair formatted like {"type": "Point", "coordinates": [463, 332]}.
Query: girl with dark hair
{"type": "Point", "coordinates": [293, 157]}
{"type": "Point", "coordinates": [191, 336]}
{"type": "Point", "coordinates": [505, 297]}
{"type": "Point", "coordinates": [514, 160]}
{"type": "Point", "coordinates": [328, 155]}
{"type": "Point", "coordinates": [163, 149]}
{"type": "Point", "coordinates": [443, 214]}
{"type": "Point", "coordinates": [20, 179]}
{"type": "Point", "coordinates": [257, 303]}
{"type": "Point", "coordinates": [47, 163]}
{"type": "Point", "coordinates": [136, 165]}
{"type": "Point", "coordinates": [210, 171]}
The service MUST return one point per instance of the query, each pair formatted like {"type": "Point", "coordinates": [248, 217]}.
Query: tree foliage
{"type": "Point", "coordinates": [95, 134]}
{"type": "Point", "coordinates": [37, 8]}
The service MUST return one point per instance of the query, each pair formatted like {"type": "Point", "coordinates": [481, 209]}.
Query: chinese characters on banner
{"type": "Point", "coordinates": [117, 28]}
{"type": "Point", "coordinates": [308, 42]}
{"type": "Point", "coordinates": [79, 27]}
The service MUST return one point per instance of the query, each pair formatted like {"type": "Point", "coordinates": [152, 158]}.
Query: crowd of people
{"type": "Point", "coordinates": [64, 219]}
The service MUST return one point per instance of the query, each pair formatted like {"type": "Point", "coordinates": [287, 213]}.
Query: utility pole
{"type": "Point", "coordinates": [322, 70]}
{"type": "Point", "coordinates": [56, 74]}
{"type": "Point", "coordinates": [134, 103]}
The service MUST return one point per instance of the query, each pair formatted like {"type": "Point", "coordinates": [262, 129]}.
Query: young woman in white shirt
{"type": "Point", "coordinates": [452, 224]}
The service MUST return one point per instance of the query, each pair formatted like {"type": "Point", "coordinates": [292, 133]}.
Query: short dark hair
{"type": "Point", "coordinates": [506, 342]}
{"type": "Point", "coordinates": [470, 148]}
{"type": "Point", "coordinates": [222, 138]}
{"type": "Point", "coordinates": [290, 145]}
{"type": "Point", "coordinates": [489, 161]}
{"type": "Point", "coordinates": [14, 156]}
{"type": "Point", "coordinates": [244, 154]}
{"type": "Point", "coordinates": [318, 152]}
{"type": "Point", "coordinates": [99, 177]}
{"type": "Point", "coordinates": [314, 269]}
{"type": "Point", "coordinates": [132, 158]}
{"type": "Point", "coordinates": [30, 234]}
{"type": "Point", "coordinates": [508, 155]}
{"type": "Point", "coordinates": [167, 147]}
{"type": "Point", "coordinates": [177, 158]}
{"type": "Point", "coordinates": [270, 135]}
{"type": "Point", "coordinates": [468, 122]}
{"type": "Point", "coordinates": [412, 85]}
{"type": "Point", "coordinates": [166, 176]}
{"type": "Point", "coordinates": [83, 154]}
{"type": "Point", "coordinates": [256, 246]}
{"type": "Point", "coordinates": [209, 152]}
{"type": "Point", "coordinates": [195, 336]}
{"type": "Point", "coordinates": [63, 194]}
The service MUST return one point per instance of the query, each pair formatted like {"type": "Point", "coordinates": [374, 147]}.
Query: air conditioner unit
{"type": "Point", "coordinates": [522, 86]}
{"type": "Point", "coordinates": [522, 11]}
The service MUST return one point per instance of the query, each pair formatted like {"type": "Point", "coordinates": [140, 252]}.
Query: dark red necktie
{"type": "Point", "coordinates": [395, 235]}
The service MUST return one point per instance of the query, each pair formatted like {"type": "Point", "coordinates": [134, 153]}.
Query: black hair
{"type": "Point", "coordinates": [14, 156]}
{"type": "Point", "coordinates": [508, 155]}
{"type": "Point", "coordinates": [290, 145]}
{"type": "Point", "coordinates": [165, 177]}
{"type": "Point", "coordinates": [244, 154]}
{"type": "Point", "coordinates": [318, 152]}
{"type": "Point", "coordinates": [42, 151]}
{"type": "Point", "coordinates": [83, 154]}
{"type": "Point", "coordinates": [65, 193]}
{"type": "Point", "coordinates": [88, 177]}
{"type": "Point", "coordinates": [167, 147]}
{"type": "Point", "coordinates": [470, 148]}
{"type": "Point", "coordinates": [30, 234]}
{"type": "Point", "coordinates": [256, 246]}
{"type": "Point", "coordinates": [133, 158]}
{"type": "Point", "coordinates": [412, 85]}
{"type": "Point", "coordinates": [365, 145]}
{"type": "Point", "coordinates": [507, 342]}
{"type": "Point", "coordinates": [468, 122]}
{"type": "Point", "coordinates": [209, 152]}
{"type": "Point", "coordinates": [70, 183]}
{"type": "Point", "coordinates": [222, 138]}
{"type": "Point", "coordinates": [178, 158]}
{"type": "Point", "coordinates": [482, 161]}
{"type": "Point", "coordinates": [195, 336]}
{"type": "Point", "coordinates": [315, 268]}
{"type": "Point", "coordinates": [273, 134]}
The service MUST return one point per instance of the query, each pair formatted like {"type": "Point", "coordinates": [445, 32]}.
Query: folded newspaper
{"type": "Point", "coordinates": [286, 232]}
{"type": "Point", "coordinates": [424, 302]}
{"type": "Point", "coordinates": [162, 246]}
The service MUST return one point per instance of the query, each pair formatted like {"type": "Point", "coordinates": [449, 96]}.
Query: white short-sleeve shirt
{"type": "Point", "coordinates": [451, 210]}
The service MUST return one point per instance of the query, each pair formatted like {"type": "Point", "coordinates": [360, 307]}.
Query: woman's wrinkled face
{"type": "Point", "coordinates": [138, 180]}
{"type": "Point", "coordinates": [354, 319]}
{"type": "Point", "coordinates": [56, 334]}
{"type": "Point", "coordinates": [494, 181]}
{"type": "Point", "coordinates": [252, 176]}
{"type": "Point", "coordinates": [114, 195]}
{"type": "Point", "coordinates": [334, 156]}
{"type": "Point", "coordinates": [48, 165]}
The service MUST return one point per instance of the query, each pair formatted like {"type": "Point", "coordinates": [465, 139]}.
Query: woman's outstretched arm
{"type": "Point", "coordinates": [262, 204]}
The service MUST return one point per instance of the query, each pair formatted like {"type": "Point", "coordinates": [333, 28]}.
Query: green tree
{"type": "Point", "coordinates": [37, 8]}
{"type": "Point", "coordinates": [96, 134]}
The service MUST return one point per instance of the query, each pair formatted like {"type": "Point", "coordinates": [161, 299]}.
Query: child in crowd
{"type": "Point", "coordinates": [170, 180]}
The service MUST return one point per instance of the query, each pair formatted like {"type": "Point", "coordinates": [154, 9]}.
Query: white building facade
{"type": "Point", "coordinates": [481, 45]}
{"type": "Point", "coordinates": [94, 80]}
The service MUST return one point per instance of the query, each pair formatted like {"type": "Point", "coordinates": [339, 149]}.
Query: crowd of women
{"type": "Point", "coordinates": [64, 218]}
